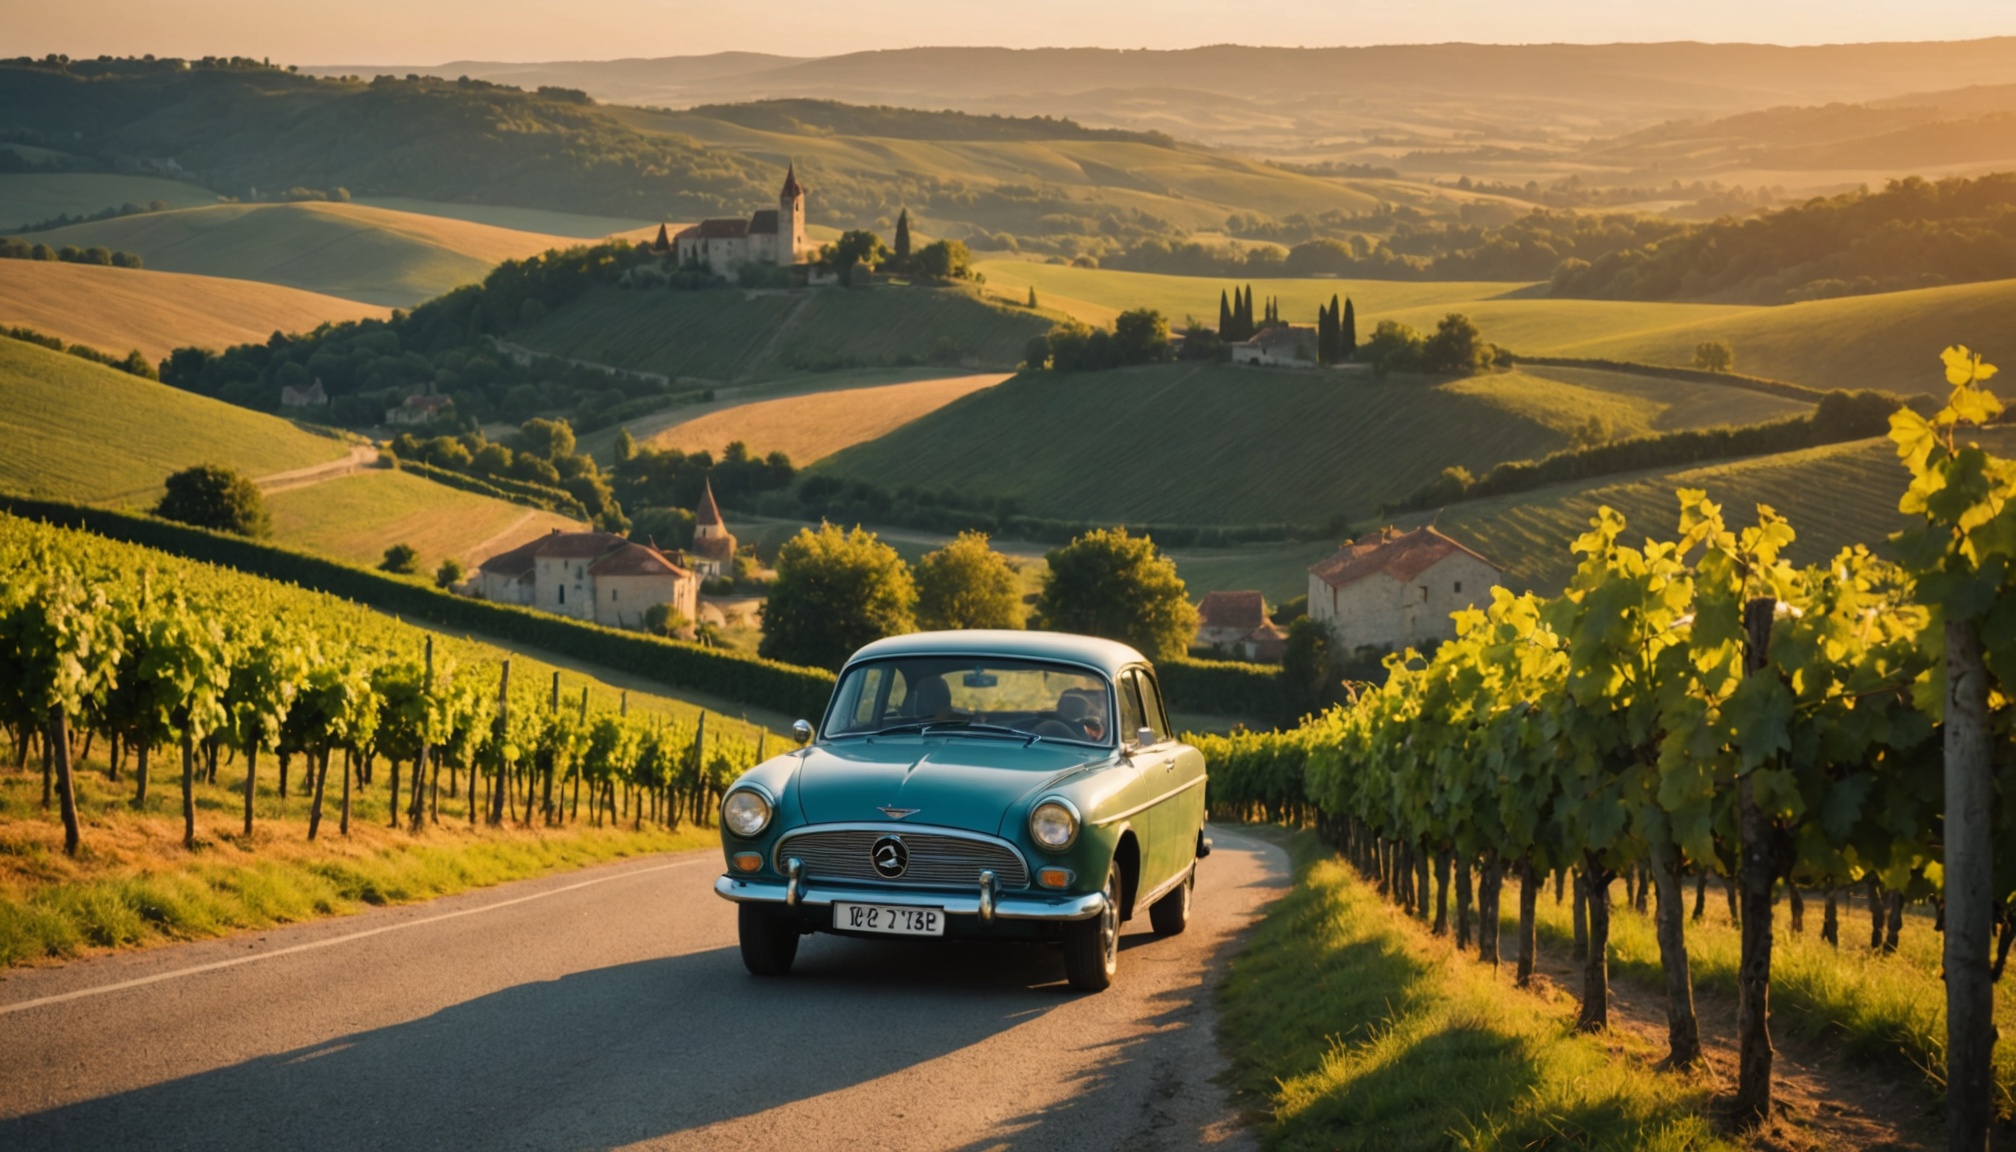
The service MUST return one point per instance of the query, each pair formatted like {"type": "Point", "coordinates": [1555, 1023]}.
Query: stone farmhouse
{"type": "Point", "coordinates": [594, 576]}
{"type": "Point", "coordinates": [773, 236]}
{"type": "Point", "coordinates": [1398, 589]}
{"type": "Point", "coordinates": [1236, 622]}
{"type": "Point", "coordinates": [1284, 346]}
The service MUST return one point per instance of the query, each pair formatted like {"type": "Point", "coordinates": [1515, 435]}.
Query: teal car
{"type": "Point", "coordinates": [978, 784]}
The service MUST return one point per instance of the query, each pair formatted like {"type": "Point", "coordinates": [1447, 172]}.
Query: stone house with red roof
{"type": "Point", "coordinates": [594, 576]}
{"type": "Point", "coordinates": [1237, 623]}
{"type": "Point", "coordinates": [1398, 589]}
{"type": "Point", "coordinates": [1282, 346]}
{"type": "Point", "coordinates": [774, 236]}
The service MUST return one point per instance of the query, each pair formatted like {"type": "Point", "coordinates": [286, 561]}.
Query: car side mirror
{"type": "Point", "coordinates": [801, 731]}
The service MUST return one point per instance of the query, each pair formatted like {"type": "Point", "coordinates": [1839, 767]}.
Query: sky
{"type": "Point", "coordinates": [437, 31]}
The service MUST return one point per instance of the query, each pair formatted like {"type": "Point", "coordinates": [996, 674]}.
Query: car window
{"type": "Point", "coordinates": [873, 696]}
{"type": "Point", "coordinates": [1043, 699]}
{"type": "Point", "coordinates": [1151, 705]}
{"type": "Point", "coordinates": [1132, 718]}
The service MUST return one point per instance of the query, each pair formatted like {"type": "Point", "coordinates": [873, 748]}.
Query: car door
{"type": "Point", "coordinates": [1160, 762]}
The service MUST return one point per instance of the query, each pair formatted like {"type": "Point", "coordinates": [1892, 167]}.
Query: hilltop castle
{"type": "Point", "coordinates": [773, 236]}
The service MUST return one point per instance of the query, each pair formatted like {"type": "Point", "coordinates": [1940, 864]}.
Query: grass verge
{"type": "Point", "coordinates": [135, 885]}
{"type": "Point", "coordinates": [1351, 1027]}
{"type": "Point", "coordinates": [1883, 1010]}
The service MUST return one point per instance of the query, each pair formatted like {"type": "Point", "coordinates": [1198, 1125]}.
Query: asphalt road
{"type": "Point", "coordinates": [609, 1009]}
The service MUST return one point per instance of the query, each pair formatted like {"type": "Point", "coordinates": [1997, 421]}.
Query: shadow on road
{"type": "Point", "coordinates": [594, 1060]}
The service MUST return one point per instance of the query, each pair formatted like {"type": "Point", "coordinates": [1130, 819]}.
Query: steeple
{"type": "Point", "coordinates": [792, 189]}
{"type": "Point", "coordinates": [664, 243]}
{"type": "Point", "coordinates": [708, 515]}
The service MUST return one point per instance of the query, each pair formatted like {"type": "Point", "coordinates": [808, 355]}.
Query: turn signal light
{"type": "Point", "coordinates": [1054, 877]}
{"type": "Point", "coordinates": [748, 861]}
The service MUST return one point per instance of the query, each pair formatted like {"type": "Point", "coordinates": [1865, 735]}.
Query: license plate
{"type": "Point", "coordinates": [889, 919]}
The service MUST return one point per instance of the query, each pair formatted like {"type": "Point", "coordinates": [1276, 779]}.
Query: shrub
{"type": "Point", "coordinates": [208, 496]}
{"type": "Point", "coordinates": [403, 559]}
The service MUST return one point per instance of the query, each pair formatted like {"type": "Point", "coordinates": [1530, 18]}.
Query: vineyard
{"type": "Point", "coordinates": [1699, 709]}
{"type": "Point", "coordinates": [151, 657]}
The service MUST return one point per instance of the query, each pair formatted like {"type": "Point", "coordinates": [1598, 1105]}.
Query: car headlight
{"type": "Point", "coordinates": [746, 812]}
{"type": "Point", "coordinates": [1054, 824]}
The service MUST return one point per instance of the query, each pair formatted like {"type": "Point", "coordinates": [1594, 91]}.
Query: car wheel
{"type": "Point", "coordinates": [1171, 914]}
{"type": "Point", "coordinates": [1092, 946]}
{"type": "Point", "coordinates": [769, 941]}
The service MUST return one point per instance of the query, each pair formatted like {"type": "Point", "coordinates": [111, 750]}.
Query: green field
{"type": "Point", "coordinates": [357, 517]}
{"type": "Point", "coordinates": [580, 226]}
{"type": "Point", "coordinates": [1834, 495]}
{"type": "Point", "coordinates": [30, 198]}
{"type": "Point", "coordinates": [377, 256]}
{"type": "Point", "coordinates": [78, 431]}
{"type": "Point", "coordinates": [1096, 295]}
{"type": "Point", "coordinates": [735, 335]}
{"type": "Point", "coordinates": [1215, 444]}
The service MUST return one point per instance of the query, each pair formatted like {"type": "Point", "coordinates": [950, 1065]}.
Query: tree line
{"type": "Point", "coordinates": [1698, 706]}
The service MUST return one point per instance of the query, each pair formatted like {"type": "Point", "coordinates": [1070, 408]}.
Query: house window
{"type": "Point", "coordinates": [612, 595]}
{"type": "Point", "coordinates": [562, 590]}
{"type": "Point", "coordinates": [1424, 593]}
{"type": "Point", "coordinates": [1459, 587]}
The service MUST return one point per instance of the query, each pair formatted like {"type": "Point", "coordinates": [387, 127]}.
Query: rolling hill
{"type": "Point", "coordinates": [357, 517]}
{"type": "Point", "coordinates": [31, 198]}
{"type": "Point", "coordinates": [732, 335]}
{"type": "Point", "coordinates": [1216, 444]}
{"type": "Point", "coordinates": [372, 255]}
{"type": "Point", "coordinates": [117, 309]}
{"type": "Point", "coordinates": [811, 426]}
{"type": "Point", "coordinates": [78, 431]}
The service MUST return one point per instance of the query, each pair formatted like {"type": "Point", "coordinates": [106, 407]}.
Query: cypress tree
{"type": "Point", "coordinates": [1224, 317]}
{"type": "Point", "coordinates": [903, 239]}
{"type": "Point", "coordinates": [1326, 335]}
{"type": "Point", "coordinates": [1337, 350]}
{"type": "Point", "coordinates": [1347, 335]}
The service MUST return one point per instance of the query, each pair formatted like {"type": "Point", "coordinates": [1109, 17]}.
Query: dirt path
{"type": "Point", "coordinates": [494, 544]}
{"type": "Point", "coordinates": [1823, 1103]}
{"type": "Point", "coordinates": [360, 457]}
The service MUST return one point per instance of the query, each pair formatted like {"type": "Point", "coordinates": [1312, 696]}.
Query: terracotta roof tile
{"type": "Point", "coordinates": [718, 230]}
{"type": "Point", "coordinates": [1402, 555]}
{"type": "Point", "coordinates": [636, 560]}
{"type": "Point", "coordinates": [708, 515]}
{"type": "Point", "coordinates": [1246, 611]}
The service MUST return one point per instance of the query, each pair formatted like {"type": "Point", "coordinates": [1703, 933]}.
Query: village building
{"type": "Point", "coordinates": [1237, 623]}
{"type": "Point", "coordinates": [1286, 346]}
{"type": "Point", "coordinates": [713, 551]}
{"type": "Point", "coordinates": [310, 397]}
{"type": "Point", "coordinates": [770, 236]}
{"type": "Point", "coordinates": [593, 576]}
{"type": "Point", "coordinates": [1398, 589]}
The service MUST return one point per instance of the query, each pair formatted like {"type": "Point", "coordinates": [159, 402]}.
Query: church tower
{"type": "Point", "coordinates": [790, 219]}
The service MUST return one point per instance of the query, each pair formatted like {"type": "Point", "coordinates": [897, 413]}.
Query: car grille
{"type": "Point", "coordinates": [948, 861]}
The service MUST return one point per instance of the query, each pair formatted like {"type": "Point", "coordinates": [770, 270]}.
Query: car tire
{"type": "Point", "coordinates": [1092, 946]}
{"type": "Point", "coordinates": [769, 941]}
{"type": "Point", "coordinates": [1171, 914]}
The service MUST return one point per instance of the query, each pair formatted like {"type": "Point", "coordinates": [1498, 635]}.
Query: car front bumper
{"type": "Point", "coordinates": [954, 902]}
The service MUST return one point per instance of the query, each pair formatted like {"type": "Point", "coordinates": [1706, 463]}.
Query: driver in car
{"type": "Point", "coordinates": [1085, 709]}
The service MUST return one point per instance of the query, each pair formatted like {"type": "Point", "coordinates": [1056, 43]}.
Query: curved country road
{"type": "Point", "coordinates": [609, 1009]}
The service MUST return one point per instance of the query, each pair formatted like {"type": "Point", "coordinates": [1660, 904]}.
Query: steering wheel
{"type": "Point", "coordinates": [1057, 728]}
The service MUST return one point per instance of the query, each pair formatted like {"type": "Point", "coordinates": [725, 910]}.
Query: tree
{"type": "Point", "coordinates": [1714, 356]}
{"type": "Point", "coordinates": [212, 497]}
{"type": "Point", "coordinates": [1305, 664]}
{"type": "Point", "coordinates": [1347, 335]}
{"type": "Point", "coordinates": [1141, 336]}
{"type": "Point", "coordinates": [1395, 347]}
{"type": "Point", "coordinates": [1107, 583]}
{"type": "Point", "coordinates": [835, 591]}
{"type": "Point", "coordinates": [665, 620]}
{"type": "Point", "coordinates": [967, 584]}
{"type": "Point", "coordinates": [449, 574]}
{"type": "Point", "coordinates": [548, 440]}
{"type": "Point", "coordinates": [945, 260]}
{"type": "Point", "coordinates": [626, 446]}
{"type": "Point", "coordinates": [403, 559]}
{"type": "Point", "coordinates": [1032, 298]}
{"type": "Point", "coordinates": [901, 257]}
{"type": "Point", "coordinates": [1456, 346]}
{"type": "Point", "coordinates": [859, 246]}
{"type": "Point", "coordinates": [1224, 316]}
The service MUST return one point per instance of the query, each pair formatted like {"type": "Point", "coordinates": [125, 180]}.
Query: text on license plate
{"type": "Point", "coordinates": [892, 919]}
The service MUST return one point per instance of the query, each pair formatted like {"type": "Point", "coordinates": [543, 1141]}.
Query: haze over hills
{"type": "Point", "coordinates": [1385, 100]}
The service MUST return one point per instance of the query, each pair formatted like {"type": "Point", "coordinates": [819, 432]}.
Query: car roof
{"type": "Point", "coordinates": [1106, 655]}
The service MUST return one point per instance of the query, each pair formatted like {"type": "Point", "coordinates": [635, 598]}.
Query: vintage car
{"type": "Point", "coordinates": [976, 784]}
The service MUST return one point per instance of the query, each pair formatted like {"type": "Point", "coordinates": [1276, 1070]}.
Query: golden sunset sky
{"type": "Point", "coordinates": [435, 31]}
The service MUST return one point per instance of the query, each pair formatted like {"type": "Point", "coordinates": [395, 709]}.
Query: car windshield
{"type": "Point", "coordinates": [1023, 698]}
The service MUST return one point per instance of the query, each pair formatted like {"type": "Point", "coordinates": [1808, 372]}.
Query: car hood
{"type": "Point", "coordinates": [958, 782]}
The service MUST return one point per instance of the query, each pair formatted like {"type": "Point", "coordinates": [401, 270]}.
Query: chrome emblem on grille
{"type": "Point", "coordinates": [890, 856]}
{"type": "Point", "coordinates": [897, 813]}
